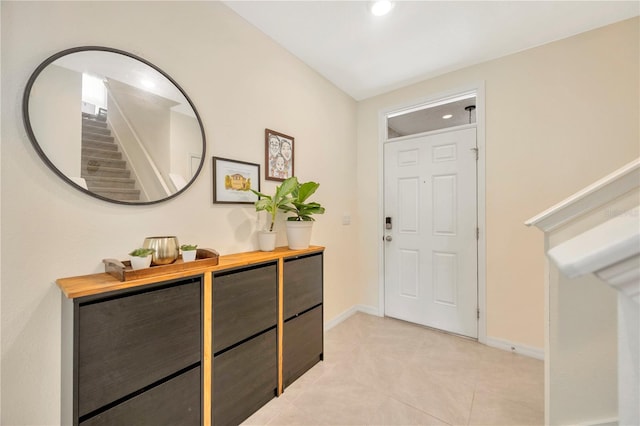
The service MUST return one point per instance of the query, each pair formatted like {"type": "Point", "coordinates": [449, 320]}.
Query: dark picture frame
{"type": "Point", "coordinates": [278, 155]}
{"type": "Point", "coordinates": [232, 180]}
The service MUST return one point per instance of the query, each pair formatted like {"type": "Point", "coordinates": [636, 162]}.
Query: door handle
{"type": "Point", "coordinates": [388, 238]}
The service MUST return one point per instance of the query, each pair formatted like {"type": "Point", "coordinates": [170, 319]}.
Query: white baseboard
{"type": "Point", "coordinates": [346, 314]}
{"type": "Point", "coordinates": [613, 421]}
{"type": "Point", "coordinates": [517, 348]}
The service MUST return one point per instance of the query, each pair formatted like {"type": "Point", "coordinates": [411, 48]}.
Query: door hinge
{"type": "Point", "coordinates": [477, 233]}
{"type": "Point", "coordinates": [478, 312]}
{"type": "Point", "coordinates": [475, 150]}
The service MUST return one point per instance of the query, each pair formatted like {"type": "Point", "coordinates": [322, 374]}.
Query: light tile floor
{"type": "Point", "coordinates": [381, 371]}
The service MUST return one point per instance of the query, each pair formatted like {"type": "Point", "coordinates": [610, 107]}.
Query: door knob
{"type": "Point", "coordinates": [388, 238]}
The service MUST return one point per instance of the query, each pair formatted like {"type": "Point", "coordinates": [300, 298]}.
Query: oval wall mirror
{"type": "Point", "coordinates": [113, 125]}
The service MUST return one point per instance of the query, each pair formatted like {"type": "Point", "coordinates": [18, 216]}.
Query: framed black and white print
{"type": "Point", "coordinates": [278, 155]}
{"type": "Point", "coordinates": [233, 180]}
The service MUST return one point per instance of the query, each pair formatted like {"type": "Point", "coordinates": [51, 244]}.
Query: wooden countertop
{"type": "Point", "coordinates": [87, 285]}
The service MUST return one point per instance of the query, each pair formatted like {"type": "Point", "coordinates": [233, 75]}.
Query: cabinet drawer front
{"type": "Point", "coordinates": [244, 304]}
{"type": "Point", "coordinates": [302, 284]}
{"type": "Point", "coordinates": [302, 344]}
{"type": "Point", "coordinates": [133, 341]}
{"type": "Point", "coordinates": [244, 379]}
{"type": "Point", "coordinates": [176, 402]}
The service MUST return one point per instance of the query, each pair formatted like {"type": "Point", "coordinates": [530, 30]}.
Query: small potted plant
{"type": "Point", "coordinates": [141, 258]}
{"type": "Point", "coordinates": [189, 252]}
{"type": "Point", "coordinates": [271, 204]}
{"type": "Point", "coordinates": [300, 225]}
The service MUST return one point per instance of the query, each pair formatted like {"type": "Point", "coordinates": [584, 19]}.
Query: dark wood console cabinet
{"type": "Point", "coordinates": [246, 319]}
{"type": "Point", "coordinates": [134, 346]}
{"type": "Point", "coordinates": [196, 347]}
{"type": "Point", "coordinates": [245, 358]}
{"type": "Point", "coordinates": [303, 329]}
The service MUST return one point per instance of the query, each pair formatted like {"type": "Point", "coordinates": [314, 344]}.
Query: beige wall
{"type": "Point", "coordinates": [558, 117]}
{"type": "Point", "coordinates": [240, 81]}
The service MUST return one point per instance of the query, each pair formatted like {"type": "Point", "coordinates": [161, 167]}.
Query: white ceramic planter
{"type": "Point", "coordinates": [267, 240]}
{"type": "Point", "coordinates": [189, 255]}
{"type": "Point", "coordinates": [138, 262]}
{"type": "Point", "coordinates": [299, 234]}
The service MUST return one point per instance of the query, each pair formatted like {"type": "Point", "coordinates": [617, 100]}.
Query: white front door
{"type": "Point", "coordinates": [431, 261]}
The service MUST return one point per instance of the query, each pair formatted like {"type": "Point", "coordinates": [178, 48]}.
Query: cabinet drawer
{"type": "Point", "coordinates": [176, 402]}
{"type": "Point", "coordinates": [133, 341]}
{"type": "Point", "coordinates": [244, 304]}
{"type": "Point", "coordinates": [244, 379]}
{"type": "Point", "coordinates": [302, 344]}
{"type": "Point", "coordinates": [302, 284]}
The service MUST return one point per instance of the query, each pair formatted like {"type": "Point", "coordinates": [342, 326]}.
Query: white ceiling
{"type": "Point", "coordinates": [366, 55]}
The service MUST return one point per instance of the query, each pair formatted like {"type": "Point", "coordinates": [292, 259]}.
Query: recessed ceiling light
{"type": "Point", "coordinates": [381, 7]}
{"type": "Point", "coordinates": [448, 116]}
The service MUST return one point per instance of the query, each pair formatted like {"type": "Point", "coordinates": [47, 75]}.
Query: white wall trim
{"type": "Point", "coordinates": [593, 196]}
{"type": "Point", "coordinates": [479, 88]}
{"type": "Point", "coordinates": [517, 348]}
{"type": "Point", "coordinates": [371, 310]}
{"type": "Point", "coordinates": [481, 206]}
{"type": "Point", "coordinates": [610, 250]}
{"type": "Point", "coordinates": [612, 421]}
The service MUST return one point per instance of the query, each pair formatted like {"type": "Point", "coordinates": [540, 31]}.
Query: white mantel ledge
{"type": "Point", "coordinates": [595, 195]}
{"type": "Point", "coordinates": [610, 250]}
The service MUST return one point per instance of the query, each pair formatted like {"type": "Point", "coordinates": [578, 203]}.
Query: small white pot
{"type": "Point", "coordinates": [189, 255]}
{"type": "Point", "coordinates": [299, 234]}
{"type": "Point", "coordinates": [267, 240]}
{"type": "Point", "coordinates": [138, 262]}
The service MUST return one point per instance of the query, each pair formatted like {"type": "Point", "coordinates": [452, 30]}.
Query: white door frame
{"type": "Point", "coordinates": [480, 135]}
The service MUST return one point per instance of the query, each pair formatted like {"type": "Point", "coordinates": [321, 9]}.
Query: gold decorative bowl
{"type": "Point", "coordinates": [166, 249]}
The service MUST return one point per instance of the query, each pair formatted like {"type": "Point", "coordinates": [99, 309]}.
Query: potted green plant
{"type": "Point", "coordinates": [189, 252]}
{"type": "Point", "coordinates": [272, 204]}
{"type": "Point", "coordinates": [141, 258]}
{"type": "Point", "coordinates": [300, 225]}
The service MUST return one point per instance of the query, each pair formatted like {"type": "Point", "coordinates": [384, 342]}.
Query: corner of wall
{"type": "Point", "coordinates": [516, 348]}
{"type": "Point", "coordinates": [370, 310]}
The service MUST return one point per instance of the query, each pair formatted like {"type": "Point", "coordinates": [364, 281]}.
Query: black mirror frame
{"type": "Point", "coordinates": [47, 161]}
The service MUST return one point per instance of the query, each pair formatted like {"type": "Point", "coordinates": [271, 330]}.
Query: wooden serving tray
{"type": "Point", "coordinates": [122, 269]}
